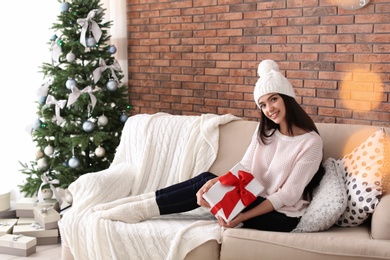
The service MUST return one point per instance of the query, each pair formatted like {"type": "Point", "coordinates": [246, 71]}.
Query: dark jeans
{"type": "Point", "coordinates": [181, 197]}
{"type": "Point", "coordinates": [272, 221]}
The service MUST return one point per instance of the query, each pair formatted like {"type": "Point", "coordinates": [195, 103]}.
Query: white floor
{"type": "Point", "coordinates": [49, 252]}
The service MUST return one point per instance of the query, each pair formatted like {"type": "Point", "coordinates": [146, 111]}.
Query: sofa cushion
{"type": "Point", "coordinates": [362, 170]}
{"type": "Point", "coordinates": [380, 222]}
{"type": "Point", "coordinates": [334, 243]}
{"type": "Point", "coordinates": [328, 203]}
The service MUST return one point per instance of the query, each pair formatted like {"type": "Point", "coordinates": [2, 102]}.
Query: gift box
{"type": "Point", "coordinates": [6, 225]}
{"type": "Point", "coordinates": [232, 193]}
{"type": "Point", "coordinates": [17, 245]}
{"type": "Point", "coordinates": [44, 237]}
{"type": "Point", "coordinates": [47, 217]}
{"type": "Point", "coordinates": [25, 221]}
{"type": "Point", "coordinates": [24, 207]}
{"type": "Point", "coordinates": [11, 213]}
{"type": "Point", "coordinates": [5, 203]}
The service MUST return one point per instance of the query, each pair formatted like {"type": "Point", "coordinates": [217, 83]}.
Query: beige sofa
{"type": "Point", "coordinates": [367, 241]}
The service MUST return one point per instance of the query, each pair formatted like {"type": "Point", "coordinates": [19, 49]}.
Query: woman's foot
{"type": "Point", "coordinates": [133, 212]}
{"type": "Point", "coordinates": [122, 201]}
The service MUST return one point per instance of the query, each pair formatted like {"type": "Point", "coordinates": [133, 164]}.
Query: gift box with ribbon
{"type": "Point", "coordinates": [25, 221]}
{"type": "Point", "coordinates": [47, 217]}
{"type": "Point", "coordinates": [4, 200]}
{"type": "Point", "coordinates": [11, 213]}
{"type": "Point", "coordinates": [44, 237]}
{"type": "Point", "coordinates": [233, 192]}
{"type": "Point", "coordinates": [24, 207]}
{"type": "Point", "coordinates": [17, 245]}
{"type": "Point", "coordinates": [6, 225]}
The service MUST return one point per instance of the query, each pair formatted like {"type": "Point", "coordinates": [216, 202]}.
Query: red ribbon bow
{"type": "Point", "coordinates": [232, 197]}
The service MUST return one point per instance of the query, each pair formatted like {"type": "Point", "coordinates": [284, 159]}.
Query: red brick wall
{"type": "Point", "coordinates": [200, 56]}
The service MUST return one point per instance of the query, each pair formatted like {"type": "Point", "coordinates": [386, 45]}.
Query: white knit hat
{"type": "Point", "coordinates": [271, 81]}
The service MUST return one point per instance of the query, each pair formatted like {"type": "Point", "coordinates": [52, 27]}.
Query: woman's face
{"type": "Point", "coordinates": [273, 107]}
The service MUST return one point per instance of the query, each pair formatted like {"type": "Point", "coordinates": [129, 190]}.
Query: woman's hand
{"type": "Point", "coordinates": [261, 209]}
{"type": "Point", "coordinates": [199, 195]}
{"type": "Point", "coordinates": [232, 223]}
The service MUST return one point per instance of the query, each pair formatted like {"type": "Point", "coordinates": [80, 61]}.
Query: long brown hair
{"type": "Point", "coordinates": [295, 115]}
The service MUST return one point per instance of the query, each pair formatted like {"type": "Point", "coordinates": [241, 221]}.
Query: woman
{"type": "Point", "coordinates": [285, 156]}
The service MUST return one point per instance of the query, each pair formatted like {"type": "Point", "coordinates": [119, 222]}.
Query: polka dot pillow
{"type": "Point", "coordinates": [362, 171]}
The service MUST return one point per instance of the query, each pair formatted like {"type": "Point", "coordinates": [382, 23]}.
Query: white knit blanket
{"type": "Point", "coordinates": [155, 151]}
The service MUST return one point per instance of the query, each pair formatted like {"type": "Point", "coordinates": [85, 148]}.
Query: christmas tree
{"type": "Point", "coordinates": [82, 105]}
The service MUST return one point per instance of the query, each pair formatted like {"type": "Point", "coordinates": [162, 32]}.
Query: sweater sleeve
{"type": "Point", "coordinates": [303, 170]}
{"type": "Point", "coordinates": [247, 159]}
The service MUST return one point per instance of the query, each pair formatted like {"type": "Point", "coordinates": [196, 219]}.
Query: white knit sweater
{"type": "Point", "coordinates": [284, 167]}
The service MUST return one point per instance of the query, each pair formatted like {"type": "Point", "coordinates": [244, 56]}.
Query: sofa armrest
{"type": "Point", "coordinates": [380, 222]}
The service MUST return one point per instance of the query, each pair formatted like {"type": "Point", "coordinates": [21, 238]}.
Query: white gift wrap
{"type": "Point", "coordinates": [47, 217]}
{"type": "Point", "coordinates": [17, 245]}
{"type": "Point", "coordinates": [30, 203]}
{"type": "Point", "coordinates": [17, 241]}
{"type": "Point", "coordinates": [35, 231]}
{"type": "Point", "coordinates": [24, 207]}
{"type": "Point", "coordinates": [46, 214]}
{"type": "Point", "coordinates": [25, 203]}
{"type": "Point", "coordinates": [10, 213]}
{"type": "Point", "coordinates": [44, 236]}
{"type": "Point", "coordinates": [6, 225]}
{"type": "Point", "coordinates": [5, 203]}
{"type": "Point", "coordinates": [25, 221]}
{"type": "Point", "coordinates": [218, 191]}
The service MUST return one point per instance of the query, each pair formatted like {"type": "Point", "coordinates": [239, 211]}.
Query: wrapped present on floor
{"type": "Point", "coordinates": [233, 192]}
{"type": "Point", "coordinates": [5, 203]}
{"type": "Point", "coordinates": [24, 207]}
{"type": "Point", "coordinates": [44, 237]}
{"type": "Point", "coordinates": [6, 225]}
{"type": "Point", "coordinates": [25, 221]}
{"type": "Point", "coordinates": [47, 217]}
{"type": "Point", "coordinates": [17, 245]}
{"type": "Point", "coordinates": [11, 213]}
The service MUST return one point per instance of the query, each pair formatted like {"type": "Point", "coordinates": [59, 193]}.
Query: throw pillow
{"type": "Point", "coordinates": [362, 171]}
{"type": "Point", "coordinates": [328, 203]}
